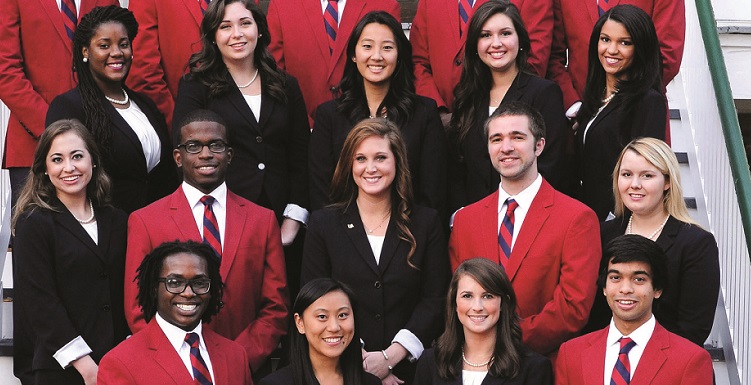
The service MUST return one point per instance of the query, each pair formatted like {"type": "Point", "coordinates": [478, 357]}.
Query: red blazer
{"type": "Point", "coordinates": [667, 359]}
{"type": "Point", "coordinates": [149, 358]}
{"type": "Point", "coordinates": [35, 66]}
{"type": "Point", "coordinates": [300, 45]}
{"type": "Point", "coordinates": [255, 284]}
{"type": "Point", "coordinates": [574, 21]}
{"type": "Point", "coordinates": [438, 50]}
{"type": "Point", "coordinates": [553, 265]}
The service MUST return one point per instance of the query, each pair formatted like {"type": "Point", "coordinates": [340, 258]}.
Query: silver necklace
{"type": "Point", "coordinates": [120, 102]}
{"type": "Point", "coordinates": [609, 98]}
{"type": "Point", "coordinates": [651, 236]}
{"type": "Point", "coordinates": [250, 82]}
{"type": "Point", "coordinates": [89, 219]}
{"type": "Point", "coordinates": [474, 365]}
{"type": "Point", "coordinates": [379, 225]}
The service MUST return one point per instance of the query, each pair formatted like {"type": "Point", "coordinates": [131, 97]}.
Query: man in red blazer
{"type": "Point", "coordinates": [633, 279]}
{"type": "Point", "coordinates": [179, 290]}
{"type": "Point", "coordinates": [35, 66]}
{"type": "Point", "coordinates": [438, 48]}
{"type": "Point", "coordinates": [574, 21]}
{"type": "Point", "coordinates": [554, 241]}
{"type": "Point", "coordinates": [300, 45]}
{"type": "Point", "coordinates": [255, 294]}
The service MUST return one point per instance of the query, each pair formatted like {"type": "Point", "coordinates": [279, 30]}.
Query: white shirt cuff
{"type": "Point", "coordinates": [72, 351]}
{"type": "Point", "coordinates": [573, 110]}
{"type": "Point", "coordinates": [410, 342]}
{"type": "Point", "coordinates": [293, 211]}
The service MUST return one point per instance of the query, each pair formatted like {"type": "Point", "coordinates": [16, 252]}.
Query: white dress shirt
{"type": "Point", "coordinates": [220, 207]}
{"type": "Point", "coordinates": [524, 199]}
{"type": "Point", "coordinates": [641, 336]}
{"type": "Point", "coordinates": [340, 3]}
{"type": "Point", "coordinates": [176, 337]}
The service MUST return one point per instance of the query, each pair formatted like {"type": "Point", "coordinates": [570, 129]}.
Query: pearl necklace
{"type": "Point", "coordinates": [250, 82]}
{"type": "Point", "coordinates": [89, 219]}
{"type": "Point", "coordinates": [379, 225]}
{"type": "Point", "coordinates": [120, 102]}
{"type": "Point", "coordinates": [651, 236]}
{"type": "Point", "coordinates": [474, 365]}
{"type": "Point", "coordinates": [609, 98]}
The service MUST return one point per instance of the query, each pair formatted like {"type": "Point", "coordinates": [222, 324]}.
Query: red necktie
{"type": "Point", "coordinates": [204, 5]}
{"type": "Point", "coordinates": [210, 225]}
{"type": "Point", "coordinates": [465, 13]}
{"type": "Point", "coordinates": [622, 369]}
{"type": "Point", "coordinates": [68, 10]}
{"type": "Point", "coordinates": [604, 5]}
{"type": "Point", "coordinates": [331, 22]}
{"type": "Point", "coordinates": [201, 374]}
{"type": "Point", "coordinates": [506, 233]}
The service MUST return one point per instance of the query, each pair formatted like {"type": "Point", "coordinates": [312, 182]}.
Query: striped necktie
{"type": "Point", "coordinates": [465, 13]}
{"type": "Point", "coordinates": [201, 373]}
{"type": "Point", "coordinates": [506, 233]}
{"type": "Point", "coordinates": [204, 5]}
{"type": "Point", "coordinates": [604, 5]}
{"type": "Point", "coordinates": [622, 369]}
{"type": "Point", "coordinates": [68, 10]}
{"type": "Point", "coordinates": [211, 235]}
{"type": "Point", "coordinates": [331, 22]}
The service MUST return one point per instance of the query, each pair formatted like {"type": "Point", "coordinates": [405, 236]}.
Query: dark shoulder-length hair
{"type": "Point", "coordinates": [401, 98]}
{"type": "Point", "coordinates": [509, 350]}
{"type": "Point", "coordinates": [96, 118]}
{"type": "Point", "coordinates": [476, 80]}
{"type": "Point", "coordinates": [39, 192]}
{"type": "Point", "coordinates": [644, 73]}
{"type": "Point", "coordinates": [344, 190]}
{"type": "Point", "coordinates": [207, 65]}
{"type": "Point", "coordinates": [350, 361]}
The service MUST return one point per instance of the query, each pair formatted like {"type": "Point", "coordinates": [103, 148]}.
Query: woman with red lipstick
{"type": "Point", "coordinates": [69, 256]}
{"type": "Point", "coordinates": [494, 72]}
{"type": "Point", "coordinates": [649, 202]}
{"type": "Point", "coordinates": [482, 342]}
{"type": "Point", "coordinates": [391, 252]}
{"type": "Point", "coordinates": [622, 99]}
{"type": "Point", "coordinates": [127, 126]}
{"type": "Point", "coordinates": [325, 346]}
{"type": "Point", "coordinates": [378, 81]}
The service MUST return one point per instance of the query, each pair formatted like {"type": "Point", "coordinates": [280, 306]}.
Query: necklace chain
{"type": "Point", "coordinates": [120, 102]}
{"type": "Point", "coordinates": [474, 365]}
{"type": "Point", "coordinates": [388, 214]}
{"type": "Point", "coordinates": [250, 82]}
{"type": "Point", "coordinates": [89, 219]}
{"type": "Point", "coordinates": [651, 236]}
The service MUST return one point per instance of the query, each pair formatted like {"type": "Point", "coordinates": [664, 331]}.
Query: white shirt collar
{"type": "Point", "coordinates": [641, 335]}
{"type": "Point", "coordinates": [175, 335]}
{"type": "Point", "coordinates": [524, 198]}
{"type": "Point", "coordinates": [194, 195]}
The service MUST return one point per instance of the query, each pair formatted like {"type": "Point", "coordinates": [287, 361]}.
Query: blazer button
{"type": "Point", "coordinates": [377, 284]}
{"type": "Point", "coordinates": [378, 317]}
{"type": "Point", "coordinates": [261, 166]}
{"type": "Point", "coordinates": [103, 276]}
{"type": "Point", "coordinates": [259, 139]}
{"type": "Point", "coordinates": [458, 62]}
{"type": "Point", "coordinates": [106, 307]}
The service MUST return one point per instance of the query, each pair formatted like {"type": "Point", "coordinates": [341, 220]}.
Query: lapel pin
{"type": "Point", "coordinates": [350, 226]}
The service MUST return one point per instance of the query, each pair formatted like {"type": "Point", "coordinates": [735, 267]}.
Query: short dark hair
{"type": "Point", "coordinates": [517, 108]}
{"type": "Point", "coordinates": [151, 268]}
{"type": "Point", "coordinates": [199, 115]}
{"type": "Point", "coordinates": [636, 248]}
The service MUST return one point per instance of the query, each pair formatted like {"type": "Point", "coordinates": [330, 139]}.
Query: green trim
{"type": "Point", "coordinates": [728, 116]}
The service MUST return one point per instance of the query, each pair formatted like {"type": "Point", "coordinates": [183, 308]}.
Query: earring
{"type": "Point", "coordinates": [354, 59]}
{"type": "Point", "coordinates": [85, 60]}
{"type": "Point", "coordinates": [521, 49]}
{"type": "Point", "coordinates": [45, 173]}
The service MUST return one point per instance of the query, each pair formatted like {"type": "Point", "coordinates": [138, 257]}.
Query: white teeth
{"type": "Point", "coordinates": [496, 55]}
{"type": "Point", "coordinates": [206, 168]}
{"type": "Point", "coordinates": [377, 68]}
{"type": "Point", "coordinates": [372, 180]}
{"type": "Point", "coordinates": [332, 340]}
{"type": "Point", "coordinates": [118, 65]}
{"type": "Point", "coordinates": [624, 302]}
{"type": "Point", "coordinates": [70, 178]}
{"type": "Point", "coordinates": [186, 307]}
{"type": "Point", "coordinates": [612, 60]}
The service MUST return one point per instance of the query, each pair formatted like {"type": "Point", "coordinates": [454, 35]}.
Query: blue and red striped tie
{"type": "Point", "coordinates": [331, 22]}
{"type": "Point", "coordinates": [506, 233]}
{"type": "Point", "coordinates": [604, 5]}
{"type": "Point", "coordinates": [204, 5]}
{"type": "Point", "coordinates": [211, 235]}
{"type": "Point", "coordinates": [201, 375]}
{"type": "Point", "coordinates": [70, 18]}
{"type": "Point", "coordinates": [622, 369]}
{"type": "Point", "coordinates": [465, 13]}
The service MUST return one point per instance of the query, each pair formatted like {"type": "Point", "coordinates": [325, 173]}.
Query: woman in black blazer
{"type": "Point", "coordinates": [69, 256]}
{"type": "Point", "coordinates": [482, 342]}
{"type": "Point", "coordinates": [378, 81]}
{"type": "Point", "coordinates": [487, 82]}
{"type": "Point", "coordinates": [622, 99]}
{"type": "Point", "coordinates": [393, 254]}
{"type": "Point", "coordinates": [649, 202]}
{"type": "Point", "coordinates": [235, 76]}
{"type": "Point", "coordinates": [129, 130]}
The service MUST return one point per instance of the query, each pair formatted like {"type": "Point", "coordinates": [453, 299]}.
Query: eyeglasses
{"type": "Point", "coordinates": [216, 147]}
{"type": "Point", "coordinates": [178, 285]}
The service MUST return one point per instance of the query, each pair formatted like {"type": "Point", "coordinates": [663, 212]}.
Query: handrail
{"type": "Point", "coordinates": [739, 165]}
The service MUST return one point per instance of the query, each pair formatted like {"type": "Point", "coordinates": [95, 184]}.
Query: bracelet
{"type": "Point", "coordinates": [385, 356]}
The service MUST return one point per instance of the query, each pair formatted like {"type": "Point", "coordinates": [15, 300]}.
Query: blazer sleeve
{"type": "Point", "coordinates": [139, 244]}
{"type": "Point", "coordinates": [456, 175]}
{"type": "Point", "coordinates": [652, 117]}
{"type": "Point", "coordinates": [276, 46]}
{"type": "Point", "coordinates": [298, 145]}
{"type": "Point", "coordinates": [698, 370]}
{"type": "Point", "coordinates": [432, 191]}
{"type": "Point", "coordinates": [65, 106]}
{"type": "Point", "coordinates": [538, 15]}
{"type": "Point", "coordinates": [315, 260]}
{"type": "Point", "coordinates": [418, 36]}
{"type": "Point", "coordinates": [566, 314]}
{"type": "Point", "coordinates": [557, 69]}
{"type": "Point", "coordinates": [321, 157]}
{"type": "Point", "coordinates": [551, 162]}
{"type": "Point", "coordinates": [425, 368]}
{"type": "Point", "coordinates": [562, 366]}
{"type": "Point", "coordinates": [669, 17]}
{"type": "Point", "coordinates": [112, 371]}
{"type": "Point", "coordinates": [537, 370]}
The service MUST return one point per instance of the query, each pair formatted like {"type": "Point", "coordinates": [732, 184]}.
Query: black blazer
{"type": "Point", "coordinates": [66, 285]}
{"type": "Point", "coordinates": [471, 173]}
{"type": "Point", "coordinates": [285, 376]}
{"type": "Point", "coordinates": [270, 153]}
{"type": "Point", "coordinates": [605, 141]}
{"type": "Point", "coordinates": [132, 186]}
{"type": "Point", "coordinates": [426, 152]}
{"type": "Point", "coordinates": [392, 295]}
{"type": "Point", "coordinates": [688, 302]}
{"type": "Point", "coordinates": [535, 370]}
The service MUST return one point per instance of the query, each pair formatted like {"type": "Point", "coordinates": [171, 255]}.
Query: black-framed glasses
{"type": "Point", "coordinates": [192, 147]}
{"type": "Point", "coordinates": [178, 285]}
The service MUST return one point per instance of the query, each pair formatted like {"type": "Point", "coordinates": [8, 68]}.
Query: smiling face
{"type": "Point", "coordinates": [376, 54]}
{"type": "Point", "coordinates": [205, 170]}
{"type": "Point", "coordinates": [183, 310]}
{"type": "Point", "coordinates": [329, 326]}
{"type": "Point", "coordinates": [498, 44]}
{"type": "Point", "coordinates": [641, 185]}
{"type": "Point", "coordinates": [374, 167]}
{"type": "Point", "coordinates": [615, 49]}
{"type": "Point", "coordinates": [237, 34]}
{"type": "Point", "coordinates": [478, 310]}
{"type": "Point", "coordinates": [109, 55]}
{"type": "Point", "coordinates": [513, 151]}
{"type": "Point", "coordinates": [69, 166]}
{"type": "Point", "coordinates": [630, 293]}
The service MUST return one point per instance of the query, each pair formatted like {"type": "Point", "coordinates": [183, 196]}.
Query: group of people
{"type": "Point", "coordinates": [178, 194]}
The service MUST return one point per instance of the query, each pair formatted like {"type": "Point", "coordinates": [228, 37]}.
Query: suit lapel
{"type": "Point", "coordinates": [182, 216]}
{"type": "Point", "coordinates": [489, 228]}
{"type": "Point", "coordinates": [315, 18]}
{"type": "Point", "coordinates": [452, 20]}
{"type": "Point", "coordinates": [267, 107]}
{"type": "Point", "coordinates": [237, 100]}
{"type": "Point", "coordinates": [594, 13]}
{"type": "Point", "coordinates": [390, 245]}
{"type": "Point", "coordinates": [69, 222]}
{"type": "Point", "coordinates": [50, 7]}
{"type": "Point", "coordinates": [195, 10]}
{"type": "Point", "coordinates": [233, 230]}
{"type": "Point", "coordinates": [217, 356]}
{"type": "Point", "coordinates": [352, 226]}
{"type": "Point", "coordinates": [127, 131]}
{"type": "Point", "coordinates": [104, 231]}
{"type": "Point", "coordinates": [653, 357]}
{"type": "Point", "coordinates": [669, 233]}
{"type": "Point", "coordinates": [165, 355]}
{"type": "Point", "coordinates": [516, 91]}
{"type": "Point", "coordinates": [605, 112]}
{"type": "Point", "coordinates": [593, 357]}
{"type": "Point", "coordinates": [536, 216]}
{"type": "Point", "coordinates": [350, 17]}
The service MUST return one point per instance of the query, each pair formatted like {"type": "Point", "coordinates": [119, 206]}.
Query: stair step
{"type": "Point", "coordinates": [690, 202]}
{"type": "Point", "coordinates": [675, 114]}
{"type": "Point", "coordinates": [682, 157]}
{"type": "Point", "coordinates": [717, 353]}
